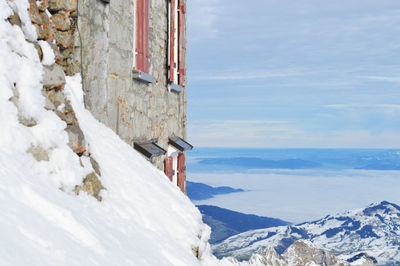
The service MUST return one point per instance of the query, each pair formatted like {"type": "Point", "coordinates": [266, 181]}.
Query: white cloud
{"type": "Point", "coordinates": [383, 78]}
{"type": "Point", "coordinates": [265, 74]}
{"type": "Point", "coordinates": [202, 16]}
{"type": "Point", "coordinates": [354, 106]}
{"type": "Point", "coordinates": [284, 134]}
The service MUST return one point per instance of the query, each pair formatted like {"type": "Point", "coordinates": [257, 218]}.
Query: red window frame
{"type": "Point", "coordinates": [169, 167]}
{"type": "Point", "coordinates": [177, 41]}
{"type": "Point", "coordinates": [182, 172]}
{"type": "Point", "coordinates": [142, 35]}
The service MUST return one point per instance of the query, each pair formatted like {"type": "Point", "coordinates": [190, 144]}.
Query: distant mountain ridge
{"type": "Point", "coordinates": [239, 159]}
{"type": "Point", "coordinates": [200, 191]}
{"type": "Point", "coordinates": [225, 223]}
{"type": "Point", "coordinates": [374, 230]}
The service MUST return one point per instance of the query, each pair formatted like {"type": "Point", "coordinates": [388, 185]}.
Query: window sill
{"type": "Point", "coordinates": [142, 76]}
{"type": "Point", "coordinates": [175, 88]}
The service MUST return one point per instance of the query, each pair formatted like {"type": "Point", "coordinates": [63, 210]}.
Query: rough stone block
{"type": "Point", "coordinates": [93, 186]}
{"type": "Point", "coordinates": [56, 97]}
{"type": "Point", "coordinates": [76, 139]}
{"type": "Point", "coordinates": [61, 21]}
{"type": "Point", "coordinates": [69, 115]}
{"type": "Point", "coordinates": [57, 5]}
{"type": "Point", "coordinates": [53, 77]}
{"type": "Point", "coordinates": [39, 50]}
{"type": "Point", "coordinates": [44, 4]}
{"type": "Point", "coordinates": [39, 153]}
{"type": "Point", "coordinates": [64, 39]}
{"type": "Point", "coordinates": [45, 32]}
{"type": "Point", "coordinates": [95, 165]}
{"type": "Point", "coordinates": [14, 19]}
{"type": "Point", "coordinates": [34, 13]}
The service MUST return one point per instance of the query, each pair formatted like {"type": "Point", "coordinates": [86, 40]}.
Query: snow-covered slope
{"type": "Point", "coordinates": [374, 230]}
{"type": "Point", "coordinates": [142, 220]}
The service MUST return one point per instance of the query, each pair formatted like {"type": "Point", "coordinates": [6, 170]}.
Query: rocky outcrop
{"type": "Point", "coordinates": [58, 28]}
{"type": "Point", "coordinates": [303, 253]}
{"type": "Point", "coordinates": [56, 21]}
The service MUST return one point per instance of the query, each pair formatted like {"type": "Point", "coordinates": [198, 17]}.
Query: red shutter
{"type": "Point", "coordinates": [169, 167]}
{"type": "Point", "coordinates": [182, 43]}
{"type": "Point", "coordinates": [172, 63]}
{"type": "Point", "coordinates": [142, 35]}
{"type": "Point", "coordinates": [182, 172]}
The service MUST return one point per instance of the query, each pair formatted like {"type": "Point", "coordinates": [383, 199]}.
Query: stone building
{"type": "Point", "coordinates": [131, 57]}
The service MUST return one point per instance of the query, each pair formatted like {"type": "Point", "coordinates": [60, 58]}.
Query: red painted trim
{"type": "Point", "coordinates": [146, 37]}
{"type": "Point", "coordinates": [142, 35]}
{"type": "Point", "coordinates": [182, 44]}
{"type": "Point", "coordinates": [169, 167]}
{"type": "Point", "coordinates": [181, 172]}
{"type": "Point", "coordinates": [172, 63]}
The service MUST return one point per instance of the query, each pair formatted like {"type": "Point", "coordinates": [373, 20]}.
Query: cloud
{"type": "Point", "coordinates": [202, 16]}
{"type": "Point", "coordinates": [383, 78]}
{"type": "Point", "coordinates": [266, 74]}
{"type": "Point", "coordinates": [284, 134]}
{"type": "Point", "coordinates": [368, 106]}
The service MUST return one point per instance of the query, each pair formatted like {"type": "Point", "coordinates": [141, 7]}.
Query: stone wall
{"type": "Point", "coordinates": [136, 111]}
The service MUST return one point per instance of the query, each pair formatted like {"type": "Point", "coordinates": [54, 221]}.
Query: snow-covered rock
{"type": "Point", "coordinates": [374, 230]}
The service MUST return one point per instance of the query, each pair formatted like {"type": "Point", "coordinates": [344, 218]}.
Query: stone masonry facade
{"type": "Point", "coordinates": [135, 110]}
{"type": "Point", "coordinates": [97, 39]}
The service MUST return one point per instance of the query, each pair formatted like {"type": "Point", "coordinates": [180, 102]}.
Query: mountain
{"type": "Point", "coordinates": [374, 230]}
{"type": "Point", "coordinates": [225, 223]}
{"type": "Point", "coordinates": [200, 191]}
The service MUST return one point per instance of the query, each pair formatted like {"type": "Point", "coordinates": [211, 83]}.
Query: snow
{"type": "Point", "coordinates": [142, 220]}
{"type": "Point", "coordinates": [48, 54]}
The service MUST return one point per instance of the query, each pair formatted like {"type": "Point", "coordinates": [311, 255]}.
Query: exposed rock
{"type": "Point", "coordinates": [34, 13]}
{"type": "Point", "coordinates": [49, 105]}
{"type": "Point", "coordinates": [69, 115]}
{"type": "Point", "coordinates": [44, 4]}
{"type": "Point", "coordinates": [45, 32]}
{"type": "Point", "coordinates": [76, 139]}
{"type": "Point", "coordinates": [63, 38]}
{"type": "Point", "coordinates": [14, 19]}
{"type": "Point", "coordinates": [363, 259]}
{"type": "Point", "coordinates": [57, 54]}
{"type": "Point", "coordinates": [54, 77]}
{"type": "Point", "coordinates": [195, 251]}
{"type": "Point", "coordinates": [39, 153]}
{"type": "Point", "coordinates": [267, 257]}
{"type": "Point", "coordinates": [56, 97]}
{"type": "Point", "coordinates": [26, 121]}
{"type": "Point", "coordinates": [57, 5]}
{"type": "Point", "coordinates": [95, 165]}
{"type": "Point", "coordinates": [61, 21]}
{"type": "Point", "coordinates": [303, 252]}
{"type": "Point", "coordinates": [39, 50]}
{"type": "Point", "coordinates": [91, 185]}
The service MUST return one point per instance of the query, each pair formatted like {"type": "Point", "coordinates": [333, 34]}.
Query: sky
{"type": "Point", "coordinates": [290, 74]}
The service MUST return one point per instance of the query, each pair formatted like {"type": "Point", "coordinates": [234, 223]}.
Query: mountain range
{"type": "Point", "coordinates": [374, 230]}
{"type": "Point", "coordinates": [225, 223]}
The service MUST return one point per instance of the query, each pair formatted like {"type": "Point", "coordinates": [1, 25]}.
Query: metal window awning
{"type": "Point", "coordinates": [180, 144]}
{"type": "Point", "coordinates": [149, 149]}
{"type": "Point", "coordinates": [142, 76]}
{"type": "Point", "coordinates": [175, 87]}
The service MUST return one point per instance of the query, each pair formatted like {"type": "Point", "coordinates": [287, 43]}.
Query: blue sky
{"type": "Point", "coordinates": [307, 73]}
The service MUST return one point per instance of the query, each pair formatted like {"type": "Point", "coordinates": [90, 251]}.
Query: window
{"type": "Point", "coordinates": [177, 45]}
{"type": "Point", "coordinates": [142, 58]}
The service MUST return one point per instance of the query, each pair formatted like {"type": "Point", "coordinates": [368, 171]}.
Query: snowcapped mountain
{"type": "Point", "coordinates": [374, 230]}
